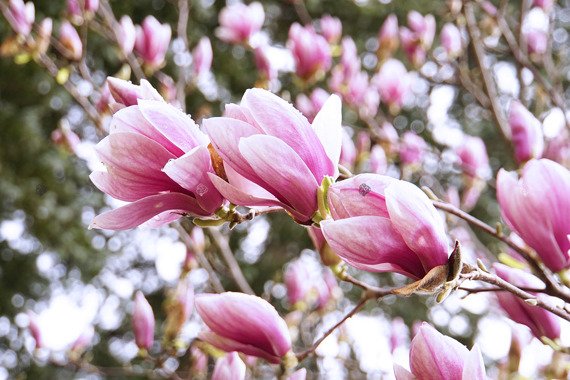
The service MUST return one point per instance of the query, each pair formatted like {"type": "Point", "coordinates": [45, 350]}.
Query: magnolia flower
{"type": "Point", "coordinates": [127, 35]}
{"type": "Point", "coordinates": [412, 148]}
{"type": "Point", "coordinates": [536, 40]}
{"type": "Point", "coordinates": [239, 22]}
{"type": "Point", "coordinates": [199, 361]}
{"type": "Point", "coordinates": [377, 161]}
{"type": "Point", "coordinates": [272, 156]}
{"type": "Point", "coordinates": [331, 28]}
{"type": "Point", "coordinates": [143, 322]}
{"type": "Point", "coordinates": [265, 64]}
{"type": "Point", "coordinates": [423, 27]}
{"type": "Point", "coordinates": [244, 323]}
{"type": "Point", "coordinates": [180, 306]}
{"type": "Point", "coordinates": [541, 322]}
{"type": "Point", "coordinates": [536, 206]}
{"type": "Point", "coordinates": [388, 39]}
{"type": "Point", "coordinates": [152, 40]}
{"type": "Point", "coordinates": [310, 106]}
{"type": "Point", "coordinates": [526, 133]}
{"type": "Point", "coordinates": [297, 281]}
{"type": "Point", "coordinates": [436, 356]}
{"type": "Point", "coordinates": [473, 157]}
{"type": "Point", "coordinates": [393, 83]}
{"type": "Point", "coordinates": [451, 40]}
{"type": "Point", "coordinates": [203, 56]}
{"type": "Point", "coordinates": [71, 41]}
{"type": "Point", "coordinates": [21, 16]}
{"type": "Point", "coordinates": [385, 225]}
{"type": "Point", "coordinates": [229, 367]}
{"type": "Point", "coordinates": [84, 340]}
{"type": "Point", "coordinates": [311, 51]}
{"type": "Point", "coordinates": [74, 7]}
{"type": "Point", "coordinates": [158, 159]}
{"type": "Point", "coordinates": [127, 94]}
{"type": "Point", "coordinates": [43, 38]}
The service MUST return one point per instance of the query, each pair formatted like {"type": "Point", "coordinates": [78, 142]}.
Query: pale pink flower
{"type": "Point", "coordinates": [239, 22]}
{"type": "Point", "coordinates": [377, 161]}
{"type": "Point", "coordinates": [203, 56]}
{"type": "Point", "coordinates": [393, 83]}
{"type": "Point", "coordinates": [229, 367]}
{"type": "Point", "coordinates": [473, 157]}
{"type": "Point", "coordinates": [382, 224]}
{"type": "Point", "coordinates": [21, 16]}
{"type": "Point", "coordinates": [526, 133]}
{"type": "Point", "coordinates": [272, 155]}
{"type": "Point", "coordinates": [331, 28]}
{"type": "Point", "coordinates": [412, 148]}
{"type": "Point", "coordinates": [311, 51]}
{"type": "Point", "coordinates": [423, 27]}
{"type": "Point", "coordinates": [71, 41]}
{"type": "Point", "coordinates": [244, 323]}
{"type": "Point", "coordinates": [536, 206]}
{"type": "Point", "coordinates": [127, 35]}
{"type": "Point", "coordinates": [388, 37]}
{"type": "Point", "coordinates": [126, 94]}
{"type": "Point", "coordinates": [84, 340]}
{"type": "Point", "coordinates": [143, 322]}
{"type": "Point", "coordinates": [266, 66]}
{"type": "Point", "coordinates": [347, 151]}
{"type": "Point", "coordinates": [300, 374]}
{"type": "Point", "coordinates": [451, 40]}
{"type": "Point", "coordinates": [152, 40]}
{"type": "Point", "coordinates": [546, 5]}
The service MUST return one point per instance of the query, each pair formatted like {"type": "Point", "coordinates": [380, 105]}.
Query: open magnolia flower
{"type": "Point", "coordinates": [272, 156]}
{"type": "Point", "coordinates": [382, 224]}
{"type": "Point", "coordinates": [157, 158]}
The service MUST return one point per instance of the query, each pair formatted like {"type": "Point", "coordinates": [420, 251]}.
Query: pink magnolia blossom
{"type": "Point", "coordinates": [152, 40]}
{"type": "Point", "coordinates": [143, 322]}
{"type": "Point", "coordinates": [203, 56]}
{"type": "Point", "coordinates": [382, 224]}
{"type": "Point", "coordinates": [180, 306]}
{"type": "Point", "coordinates": [71, 41]}
{"type": "Point", "coordinates": [74, 7]}
{"type": "Point", "coordinates": [413, 47]}
{"type": "Point", "coordinates": [297, 282]}
{"type": "Point", "coordinates": [158, 159]}
{"type": "Point", "coordinates": [541, 322]}
{"type": "Point", "coordinates": [331, 28]}
{"type": "Point", "coordinates": [35, 329]}
{"type": "Point", "coordinates": [536, 40]}
{"type": "Point", "coordinates": [326, 288]}
{"type": "Point", "coordinates": [199, 361]}
{"type": "Point", "coordinates": [536, 206]}
{"type": "Point", "coordinates": [423, 27]}
{"type": "Point", "coordinates": [412, 148]}
{"type": "Point", "coordinates": [21, 16]}
{"type": "Point", "coordinates": [436, 356]}
{"type": "Point", "coordinates": [311, 51]}
{"type": "Point", "coordinates": [229, 367]}
{"type": "Point", "coordinates": [127, 94]}
{"type": "Point", "coordinates": [84, 340]}
{"type": "Point", "coordinates": [393, 83]}
{"type": "Point", "coordinates": [272, 155]}
{"type": "Point", "coordinates": [526, 133]}
{"type": "Point", "coordinates": [451, 40]}
{"type": "Point", "coordinates": [43, 38]}
{"type": "Point", "coordinates": [546, 5]}
{"type": "Point", "coordinates": [244, 323]}
{"type": "Point", "coordinates": [266, 66]}
{"type": "Point", "coordinates": [399, 334]}
{"type": "Point", "coordinates": [377, 161]}
{"type": "Point", "coordinates": [388, 38]}
{"type": "Point", "coordinates": [473, 157]}
{"type": "Point", "coordinates": [127, 35]}
{"type": "Point", "coordinates": [310, 106]}
{"type": "Point", "coordinates": [239, 22]}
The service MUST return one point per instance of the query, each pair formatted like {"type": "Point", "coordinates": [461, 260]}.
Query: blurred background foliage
{"type": "Point", "coordinates": [47, 191]}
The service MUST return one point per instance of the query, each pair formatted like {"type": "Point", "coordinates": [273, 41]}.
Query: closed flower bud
{"type": "Point", "coordinates": [473, 158]}
{"type": "Point", "coordinates": [347, 151]}
{"type": "Point", "coordinates": [541, 322]}
{"type": "Point", "coordinates": [199, 361]}
{"type": "Point", "coordinates": [451, 40]}
{"type": "Point", "coordinates": [436, 356]}
{"type": "Point", "coordinates": [388, 37]}
{"type": "Point", "coordinates": [412, 149]}
{"type": "Point", "coordinates": [35, 329]}
{"type": "Point", "coordinates": [152, 40]}
{"type": "Point", "coordinates": [311, 51]}
{"type": "Point", "coordinates": [296, 278]}
{"type": "Point", "coordinates": [266, 66]}
{"type": "Point", "coordinates": [377, 161]}
{"type": "Point", "coordinates": [202, 55]}
{"type": "Point", "coordinates": [71, 41]}
{"type": "Point", "coordinates": [536, 206]}
{"type": "Point", "coordinates": [45, 29]}
{"type": "Point", "coordinates": [385, 225]}
{"type": "Point", "coordinates": [239, 22]}
{"type": "Point", "coordinates": [229, 367]}
{"type": "Point", "coordinates": [127, 35]}
{"type": "Point", "coordinates": [178, 309]}
{"type": "Point", "coordinates": [244, 323]}
{"type": "Point", "coordinates": [143, 322]}
{"type": "Point", "coordinates": [331, 28]}
{"type": "Point", "coordinates": [272, 155]}
{"type": "Point", "coordinates": [393, 84]}
{"type": "Point", "coordinates": [127, 94]}
{"type": "Point", "coordinates": [526, 133]}
{"type": "Point", "coordinates": [21, 16]}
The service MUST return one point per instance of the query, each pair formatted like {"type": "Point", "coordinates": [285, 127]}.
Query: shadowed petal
{"type": "Point", "coordinates": [328, 127]}
{"type": "Point", "coordinates": [229, 345]}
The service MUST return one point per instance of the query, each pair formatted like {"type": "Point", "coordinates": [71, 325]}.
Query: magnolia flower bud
{"type": "Point", "coordinates": [331, 28]}
{"type": "Point", "coordinates": [127, 94]}
{"type": "Point", "coordinates": [203, 56]}
{"type": "Point", "coordinates": [526, 133]}
{"type": "Point", "coordinates": [21, 16]}
{"type": "Point", "coordinates": [44, 35]}
{"type": "Point", "coordinates": [473, 157]}
{"type": "Point", "coordinates": [35, 329]}
{"type": "Point", "coordinates": [244, 323]}
{"type": "Point", "coordinates": [199, 361]}
{"type": "Point", "coordinates": [311, 51]}
{"type": "Point", "coordinates": [229, 367]}
{"type": "Point", "coordinates": [179, 308]}
{"type": "Point", "coordinates": [296, 278]}
{"type": "Point", "coordinates": [152, 40]}
{"type": "Point", "coordinates": [239, 22]}
{"type": "Point", "coordinates": [127, 35]}
{"type": "Point", "coordinates": [265, 65]}
{"type": "Point", "coordinates": [388, 39]}
{"type": "Point", "coordinates": [393, 84]}
{"type": "Point", "coordinates": [451, 40]}
{"type": "Point", "coordinates": [143, 322]}
{"type": "Point", "coordinates": [412, 149]}
{"type": "Point", "coordinates": [71, 41]}
{"type": "Point", "coordinates": [377, 161]}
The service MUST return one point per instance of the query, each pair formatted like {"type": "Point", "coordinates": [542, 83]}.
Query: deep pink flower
{"type": "Point", "coordinates": [272, 155]}
{"type": "Point", "coordinates": [152, 41]}
{"type": "Point", "coordinates": [143, 322]}
{"type": "Point", "coordinates": [229, 367]}
{"type": "Point", "coordinates": [158, 159]}
{"type": "Point", "coordinates": [71, 41]}
{"type": "Point", "coordinates": [127, 35]}
{"type": "Point", "coordinates": [526, 133]}
{"type": "Point", "coordinates": [21, 16]}
{"type": "Point", "coordinates": [331, 28]}
{"type": "Point", "coordinates": [393, 83]}
{"type": "Point", "coordinates": [244, 323]}
{"type": "Point", "coordinates": [436, 356]}
{"type": "Point", "coordinates": [473, 157]}
{"type": "Point", "coordinates": [536, 206]}
{"type": "Point", "coordinates": [412, 148]}
{"type": "Point", "coordinates": [541, 322]}
{"type": "Point", "coordinates": [35, 329]}
{"type": "Point", "coordinates": [388, 38]}
{"type": "Point", "coordinates": [382, 224]}
{"type": "Point", "coordinates": [203, 56]}
{"type": "Point", "coordinates": [239, 22]}
{"type": "Point", "coordinates": [311, 51]}
{"type": "Point", "coordinates": [451, 40]}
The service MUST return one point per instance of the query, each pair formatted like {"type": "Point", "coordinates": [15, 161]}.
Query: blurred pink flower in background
{"type": "Point", "coordinates": [75, 10]}
{"type": "Point", "coordinates": [152, 40]}
{"type": "Point", "coordinates": [203, 56]}
{"type": "Point", "coordinates": [310, 106]}
{"type": "Point", "coordinates": [21, 16]}
{"type": "Point", "coordinates": [388, 36]}
{"type": "Point", "coordinates": [127, 35]}
{"type": "Point", "coordinates": [451, 40]}
{"type": "Point", "coordinates": [244, 323]}
{"type": "Point", "coordinates": [331, 28]}
{"type": "Point", "coordinates": [382, 224]}
{"type": "Point", "coordinates": [143, 322]}
{"type": "Point", "coordinates": [393, 84]}
{"type": "Point", "coordinates": [239, 22]}
{"type": "Point", "coordinates": [311, 51]}
{"type": "Point", "coordinates": [297, 281]}
{"type": "Point", "coordinates": [71, 41]}
{"type": "Point", "coordinates": [526, 133]}
{"type": "Point", "coordinates": [347, 151]}
{"type": "Point", "coordinates": [126, 94]}
{"type": "Point", "coordinates": [473, 157]}
{"type": "Point", "coordinates": [266, 66]}
{"type": "Point", "coordinates": [229, 367]}
{"type": "Point", "coordinates": [536, 206]}
{"type": "Point", "coordinates": [412, 148]}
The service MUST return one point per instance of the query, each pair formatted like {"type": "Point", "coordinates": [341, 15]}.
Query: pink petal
{"type": "Point", "coordinates": [127, 189]}
{"type": "Point", "coordinates": [371, 243]}
{"type": "Point", "coordinates": [276, 163]}
{"type": "Point", "coordinates": [230, 345]}
{"type": "Point", "coordinates": [229, 367]}
{"type": "Point", "coordinates": [174, 124]}
{"type": "Point", "coordinates": [191, 172]}
{"type": "Point", "coordinates": [328, 127]}
{"type": "Point", "coordinates": [402, 374]}
{"type": "Point", "coordinates": [473, 366]}
{"type": "Point", "coordinates": [135, 213]}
